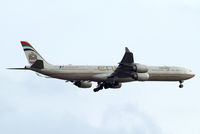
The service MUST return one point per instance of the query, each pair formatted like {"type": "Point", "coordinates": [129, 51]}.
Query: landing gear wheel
{"type": "Point", "coordinates": [181, 86]}
{"type": "Point", "coordinates": [99, 87]}
{"type": "Point", "coordinates": [96, 89]}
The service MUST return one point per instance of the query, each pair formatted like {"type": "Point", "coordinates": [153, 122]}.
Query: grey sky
{"type": "Point", "coordinates": [95, 32]}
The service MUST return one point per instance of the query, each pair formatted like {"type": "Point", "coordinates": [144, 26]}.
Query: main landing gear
{"type": "Point", "coordinates": [99, 87]}
{"type": "Point", "coordinates": [106, 85]}
{"type": "Point", "coordinates": [181, 84]}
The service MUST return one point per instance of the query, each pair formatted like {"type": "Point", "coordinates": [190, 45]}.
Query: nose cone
{"type": "Point", "coordinates": [190, 74]}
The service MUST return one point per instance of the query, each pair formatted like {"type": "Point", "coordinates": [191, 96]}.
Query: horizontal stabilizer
{"type": "Point", "coordinates": [18, 68]}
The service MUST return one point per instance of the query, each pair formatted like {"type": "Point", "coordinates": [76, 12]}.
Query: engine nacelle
{"type": "Point", "coordinates": [143, 76]}
{"type": "Point", "coordinates": [140, 68]}
{"type": "Point", "coordinates": [83, 84]}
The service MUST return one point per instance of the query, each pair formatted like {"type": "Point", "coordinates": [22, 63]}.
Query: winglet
{"type": "Point", "coordinates": [127, 50]}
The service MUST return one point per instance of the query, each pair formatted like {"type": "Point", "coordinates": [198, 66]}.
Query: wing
{"type": "Point", "coordinates": [125, 66]}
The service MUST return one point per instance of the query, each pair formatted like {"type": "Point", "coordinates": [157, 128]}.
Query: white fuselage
{"type": "Point", "coordinates": [105, 76]}
{"type": "Point", "coordinates": [100, 73]}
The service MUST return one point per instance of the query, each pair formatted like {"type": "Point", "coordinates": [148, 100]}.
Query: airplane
{"type": "Point", "coordinates": [107, 77]}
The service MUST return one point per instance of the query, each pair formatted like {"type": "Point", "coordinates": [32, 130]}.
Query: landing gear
{"type": "Point", "coordinates": [107, 85]}
{"type": "Point", "coordinates": [181, 84]}
{"type": "Point", "coordinates": [99, 87]}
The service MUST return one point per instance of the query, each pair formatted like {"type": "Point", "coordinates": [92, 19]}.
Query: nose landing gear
{"type": "Point", "coordinates": [181, 84]}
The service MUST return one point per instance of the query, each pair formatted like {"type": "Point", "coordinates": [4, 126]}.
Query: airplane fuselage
{"type": "Point", "coordinates": [105, 76]}
{"type": "Point", "coordinates": [100, 73]}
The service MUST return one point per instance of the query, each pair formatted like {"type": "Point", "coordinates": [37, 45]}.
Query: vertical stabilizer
{"type": "Point", "coordinates": [31, 54]}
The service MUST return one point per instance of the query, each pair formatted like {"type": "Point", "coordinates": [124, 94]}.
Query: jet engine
{"type": "Point", "coordinates": [83, 84]}
{"type": "Point", "coordinates": [140, 76]}
{"type": "Point", "coordinates": [140, 68]}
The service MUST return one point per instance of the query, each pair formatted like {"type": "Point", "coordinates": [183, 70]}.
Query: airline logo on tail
{"type": "Point", "coordinates": [30, 52]}
{"type": "Point", "coordinates": [32, 58]}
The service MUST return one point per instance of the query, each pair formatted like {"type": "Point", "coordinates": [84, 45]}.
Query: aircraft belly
{"type": "Point", "coordinates": [74, 76]}
{"type": "Point", "coordinates": [90, 76]}
{"type": "Point", "coordinates": [166, 77]}
{"type": "Point", "coordinates": [99, 76]}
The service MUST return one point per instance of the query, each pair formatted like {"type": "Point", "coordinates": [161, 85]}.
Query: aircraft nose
{"type": "Point", "coordinates": [191, 74]}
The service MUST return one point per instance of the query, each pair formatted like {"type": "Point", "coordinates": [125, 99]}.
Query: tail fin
{"type": "Point", "coordinates": [31, 54]}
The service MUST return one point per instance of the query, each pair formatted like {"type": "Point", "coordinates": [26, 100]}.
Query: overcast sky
{"type": "Point", "coordinates": [84, 32]}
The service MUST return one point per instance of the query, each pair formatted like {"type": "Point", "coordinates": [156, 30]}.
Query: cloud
{"type": "Point", "coordinates": [118, 119]}
{"type": "Point", "coordinates": [128, 119]}
{"type": "Point", "coordinates": [30, 106]}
